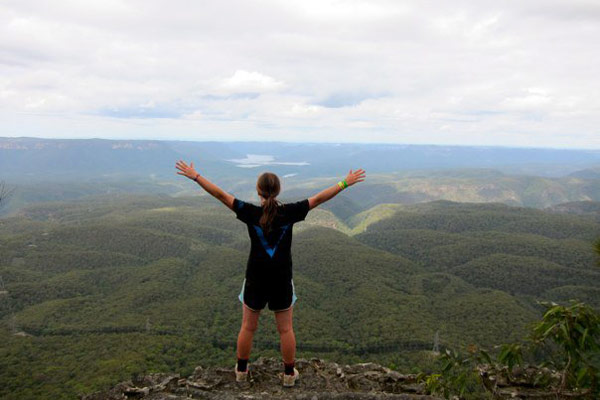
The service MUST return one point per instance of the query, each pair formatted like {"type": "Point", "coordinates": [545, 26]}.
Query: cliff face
{"type": "Point", "coordinates": [319, 380]}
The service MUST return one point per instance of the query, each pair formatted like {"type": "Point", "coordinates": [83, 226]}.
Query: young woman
{"type": "Point", "coordinates": [268, 278]}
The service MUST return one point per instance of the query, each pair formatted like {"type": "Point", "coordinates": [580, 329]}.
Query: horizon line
{"type": "Point", "coordinates": [324, 143]}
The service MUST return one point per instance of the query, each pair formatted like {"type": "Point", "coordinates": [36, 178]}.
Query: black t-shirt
{"type": "Point", "coordinates": [270, 254]}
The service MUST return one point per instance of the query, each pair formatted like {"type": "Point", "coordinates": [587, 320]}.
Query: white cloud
{"type": "Point", "coordinates": [426, 72]}
{"type": "Point", "coordinates": [249, 82]}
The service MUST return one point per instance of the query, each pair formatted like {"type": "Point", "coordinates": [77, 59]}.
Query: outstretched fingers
{"type": "Point", "coordinates": [181, 165]}
{"type": "Point", "coordinates": [359, 175]}
{"type": "Point", "coordinates": [184, 168]}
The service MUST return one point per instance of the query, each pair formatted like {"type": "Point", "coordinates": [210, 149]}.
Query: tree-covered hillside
{"type": "Point", "coordinates": [102, 287]}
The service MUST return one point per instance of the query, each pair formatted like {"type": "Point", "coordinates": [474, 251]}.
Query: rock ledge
{"type": "Point", "coordinates": [319, 380]}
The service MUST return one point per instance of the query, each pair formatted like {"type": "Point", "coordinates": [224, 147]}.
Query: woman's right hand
{"type": "Point", "coordinates": [186, 170]}
{"type": "Point", "coordinates": [356, 176]}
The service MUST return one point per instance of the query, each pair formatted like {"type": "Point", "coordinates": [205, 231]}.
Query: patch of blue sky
{"type": "Point", "coordinates": [347, 99]}
{"type": "Point", "coordinates": [139, 112]}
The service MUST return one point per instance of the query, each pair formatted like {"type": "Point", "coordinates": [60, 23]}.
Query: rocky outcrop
{"type": "Point", "coordinates": [525, 383]}
{"type": "Point", "coordinates": [319, 380]}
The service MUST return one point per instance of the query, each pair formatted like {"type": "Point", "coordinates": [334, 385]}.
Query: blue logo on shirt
{"type": "Point", "coordinates": [270, 250]}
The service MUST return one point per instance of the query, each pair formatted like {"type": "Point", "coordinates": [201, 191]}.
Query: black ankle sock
{"type": "Point", "coordinates": [242, 365]}
{"type": "Point", "coordinates": [289, 368]}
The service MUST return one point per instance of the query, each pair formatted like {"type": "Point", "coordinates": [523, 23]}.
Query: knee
{"type": "Point", "coordinates": [284, 328]}
{"type": "Point", "coordinates": [249, 326]}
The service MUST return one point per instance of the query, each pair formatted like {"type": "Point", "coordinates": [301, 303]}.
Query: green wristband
{"type": "Point", "coordinates": [343, 184]}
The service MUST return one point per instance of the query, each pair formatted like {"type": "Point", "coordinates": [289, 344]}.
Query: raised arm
{"type": "Point", "coordinates": [189, 172]}
{"type": "Point", "coordinates": [330, 192]}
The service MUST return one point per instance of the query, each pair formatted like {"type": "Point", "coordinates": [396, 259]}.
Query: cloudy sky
{"type": "Point", "coordinates": [510, 73]}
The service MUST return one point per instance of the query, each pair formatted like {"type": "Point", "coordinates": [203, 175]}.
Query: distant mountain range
{"type": "Point", "coordinates": [38, 159]}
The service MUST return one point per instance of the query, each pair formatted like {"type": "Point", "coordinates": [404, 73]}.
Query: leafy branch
{"type": "Point", "coordinates": [569, 337]}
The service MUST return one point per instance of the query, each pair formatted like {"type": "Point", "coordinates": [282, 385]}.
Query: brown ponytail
{"type": "Point", "coordinates": [268, 187]}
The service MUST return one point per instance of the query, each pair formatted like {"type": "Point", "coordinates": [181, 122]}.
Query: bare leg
{"type": "Point", "coordinates": [249, 325]}
{"type": "Point", "coordinates": [286, 335]}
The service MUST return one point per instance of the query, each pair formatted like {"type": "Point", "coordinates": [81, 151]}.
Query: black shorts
{"type": "Point", "coordinates": [280, 296]}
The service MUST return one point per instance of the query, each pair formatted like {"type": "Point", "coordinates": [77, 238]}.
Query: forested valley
{"type": "Point", "coordinates": [100, 288]}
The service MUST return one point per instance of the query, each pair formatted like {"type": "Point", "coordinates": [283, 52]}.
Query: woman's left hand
{"type": "Point", "coordinates": [356, 176]}
{"type": "Point", "coordinates": [186, 170]}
